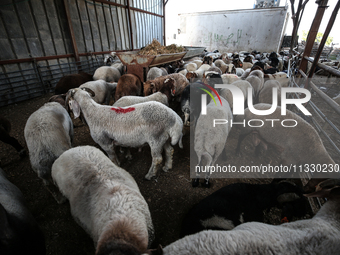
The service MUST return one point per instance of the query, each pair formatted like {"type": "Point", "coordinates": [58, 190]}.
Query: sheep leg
{"type": "Point", "coordinates": [6, 138]}
{"type": "Point", "coordinates": [58, 196]}
{"type": "Point", "coordinates": [169, 151]}
{"type": "Point", "coordinates": [156, 163]}
{"type": "Point", "coordinates": [110, 150]}
{"type": "Point", "coordinates": [128, 154]}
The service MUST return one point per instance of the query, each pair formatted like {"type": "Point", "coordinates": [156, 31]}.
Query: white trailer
{"type": "Point", "coordinates": [236, 30]}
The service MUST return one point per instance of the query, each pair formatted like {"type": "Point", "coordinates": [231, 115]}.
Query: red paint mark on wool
{"type": "Point", "coordinates": [121, 110]}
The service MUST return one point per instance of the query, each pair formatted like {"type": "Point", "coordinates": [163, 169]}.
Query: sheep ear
{"type": "Point", "coordinates": [74, 106]}
{"type": "Point", "coordinates": [90, 91]}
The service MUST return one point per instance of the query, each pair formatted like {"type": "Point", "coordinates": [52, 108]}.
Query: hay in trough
{"type": "Point", "coordinates": [155, 48]}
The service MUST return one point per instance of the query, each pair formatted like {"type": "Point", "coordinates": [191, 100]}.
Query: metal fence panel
{"type": "Point", "coordinates": [36, 47]}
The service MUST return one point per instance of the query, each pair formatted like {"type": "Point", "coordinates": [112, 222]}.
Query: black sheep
{"type": "Point", "coordinates": [243, 202]}
{"type": "Point", "coordinates": [5, 129]}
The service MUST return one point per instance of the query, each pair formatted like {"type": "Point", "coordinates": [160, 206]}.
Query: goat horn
{"type": "Point", "coordinates": [90, 91]}
{"type": "Point", "coordinates": [287, 197]}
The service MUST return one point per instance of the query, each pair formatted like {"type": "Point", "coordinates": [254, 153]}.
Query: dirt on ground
{"type": "Point", "coordinates": [169, 196]}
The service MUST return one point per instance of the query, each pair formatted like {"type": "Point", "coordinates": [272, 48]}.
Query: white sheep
{"type": "Point", "coordinates": [107, 73]}
{"type": "Point", "coordinates": [245, 73]}
{"type": "Point", "coordinates": [209, 140]}
{"type": "Point", "coordinates": [213, 69]}
{"type": "Point", "coordinates": [281, 77]}
{"type": "Point", "coordinates": [220, 64]}
{"type": "Point", "coordinates": [230, 69]}
{"type": "Point", "coordinates": [229, 78]}
{"type": "Point", "coordinates": [114, 61]}
{"type": "Point", "coordinates": [155, 72]}
{"type": "Point", "coordinates": [119, 65]}
{"type": "Point", "coordinates": [198, 62]}
{"type": "Point", "coordinates": [48, 133]}
{"type": "Point", "coordinates": [255, 78]}
{"type": "Point", "coordinates": [191, 67]}
{"type": "Point", "coordinates": [266, 93]}
{"type": "Point", "coordinates": [131, 100]}
{"type": "Point", "coordinates": [200, 71]}
{"type": "Point", "coordinates": [150, 122]}
{"type": "Point", "coordinates": [105, 201]}
{"type": "Point", "coordinates": [103, 90]}
{"type": "Point", "coordinates": [241, 84]}
{"type": "Point", "coordinates": [239, 72]}
{"type": "Point", "coordinates": [184, 72]}
{"type": "Point", "coordinates": [319, 235]}
{"type": "Point", "coordinates": [246, 65]}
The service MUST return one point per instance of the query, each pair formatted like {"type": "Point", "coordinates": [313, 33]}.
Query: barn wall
{"type": "Point", "coordinates": [36, 47]}
{"type": "Point", "coordinates": [237, 30]}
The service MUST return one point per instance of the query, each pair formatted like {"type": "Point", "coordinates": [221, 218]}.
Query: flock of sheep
{"type": "Point", "coordinates": [105, 199]}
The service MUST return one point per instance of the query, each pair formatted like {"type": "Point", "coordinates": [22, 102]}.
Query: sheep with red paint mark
{"type": "Point", "coordinates": [128, 85]}
{"type": "Point", "coordinates": [146, 123]}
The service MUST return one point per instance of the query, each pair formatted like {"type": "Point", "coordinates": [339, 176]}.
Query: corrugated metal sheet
{"type": "Point", "coordinates": [36, 46]}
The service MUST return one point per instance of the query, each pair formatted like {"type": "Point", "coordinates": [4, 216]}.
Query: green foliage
{"type": "Point", "coordinates": [318, 37]}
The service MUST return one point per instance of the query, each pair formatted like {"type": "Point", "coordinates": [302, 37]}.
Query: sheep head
{"type": "Point", "coordinates": [191, 76]}
{"type": "Point", "coordinates": [170, 84]}
{"type": "Point", "coordinates": [61, 99]}
{"type": "Point", "coordinates": [237, 63]}
{"type": "Point", "coordinates": [149, 88]}
{"type": "Point", "coordinates": [72, 103]}
{"type": "Point", "coordinates": [231, 69]}
{"type": "Point", "coordinates": [168, 88]}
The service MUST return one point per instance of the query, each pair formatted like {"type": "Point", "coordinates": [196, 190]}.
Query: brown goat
{"type": "Point", "coordinates": [237, 63]}
{"type": "Point", "coordinates": [191, 76]}
{"type": "Point", "coordinates": [155, 85]}
{"type": "Point", "coordinates": [168, 88]}
{"type": "Point", "coordinates": [128, 85]}
{"type": "Point", "coordinates": [71, 81]}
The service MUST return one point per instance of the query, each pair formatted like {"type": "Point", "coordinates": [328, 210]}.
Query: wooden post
{"type": "Point", "coordinates": [313, 33]}
{"type": "Point", "coordinates": [324, 39]}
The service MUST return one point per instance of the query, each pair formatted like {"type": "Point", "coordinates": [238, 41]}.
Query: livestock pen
{"type": "Point", "coordinates": [45, 40]}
